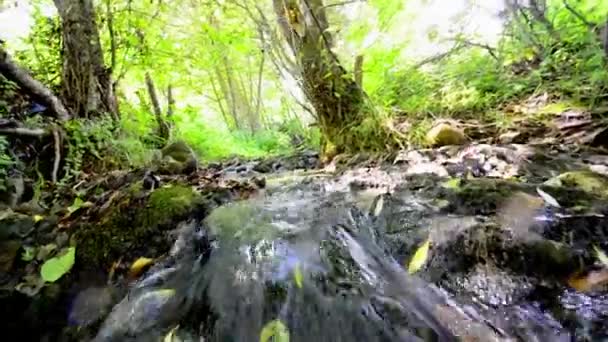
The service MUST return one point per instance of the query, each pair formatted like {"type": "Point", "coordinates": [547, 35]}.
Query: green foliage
{"type": "Point", "coordinates": [6, 161]}
{"type": "Point", "coordinates": [56, 267]}
{"type": "Point", "coordinates": [471, 83]}
{"type": "Point", "coordinates": [42, 55]}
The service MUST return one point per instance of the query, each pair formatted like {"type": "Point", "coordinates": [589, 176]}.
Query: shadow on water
{"type": "Point", "coordinates": [308, 257]}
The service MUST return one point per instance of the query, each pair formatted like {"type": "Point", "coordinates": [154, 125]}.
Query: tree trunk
{"type": "Point", "coordinates": [163, 128]}
{"type": "Point", "coordinates": [170, 101]}
{"type": "Point", "coordinates": [358, 71]}
{"type": "Point", "coordinates": [337, 99]}
{"type": "Point", "coordinates": [87, 83]}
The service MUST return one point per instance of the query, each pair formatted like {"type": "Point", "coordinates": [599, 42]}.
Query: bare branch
{"type": "Point", "coordinates": [57, 141]}
{"type": "Point", "coordinates": [342, 3]}
{"type": "Point", "coordinates": [35, 89]}
{"type": "Point", "coordinates": [578, 15]}
{"type": "Point", "coordinates": [30, 132]}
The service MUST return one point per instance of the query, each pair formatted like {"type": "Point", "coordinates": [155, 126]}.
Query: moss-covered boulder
{"type": "Point", "coordinates": [588, 181]}
{"type": "Point", "coordinates": [130, 226]}
{"type": "Point", "coordinates": [444, 134]}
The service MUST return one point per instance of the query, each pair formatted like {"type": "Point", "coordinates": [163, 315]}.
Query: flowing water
{"type": "Point", "coordinates": [328, 263]}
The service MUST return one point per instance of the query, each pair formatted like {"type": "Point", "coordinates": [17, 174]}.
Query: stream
{"type": "Point", "coordinates": [325, 257]}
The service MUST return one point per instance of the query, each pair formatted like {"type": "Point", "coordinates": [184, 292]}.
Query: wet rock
{"type": "Point", "coordinates": [511, 137]}
{"type": "Point", "coordinates": [178, 158]}
{"type": "Point", "coordinates": [138, 313]}
{"type": "Point", "coordinates": [585, 180]}
{"type": "Point", "coordinates": [90, 305]}
{"type": "Point", "coordinates": [8, 253]}
{"type": "Point", "coordinates": [427, 168]}
{"type": "Point", "coordinates": [445, 134]}
{"type": "Point", "coordinates": [133, 223]}
{"type": "Point", "coordinates": [263, 167]}
{"type": "Point", "coordinates": [15, 225]}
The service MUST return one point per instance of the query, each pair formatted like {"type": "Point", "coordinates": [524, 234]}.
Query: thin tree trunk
{"type": "Point", "coordinates": [163, 129]}
{"type": "Point", "coordinates": [170, 101]}
{"type": "Point", "coordinates": [358, 70]}
{"type": "Point", "coordinates": [228, 96]}
{"type": "Point", "coordinates": [218, 99]}
{"type": "Point", "coordinates": [258, 104]}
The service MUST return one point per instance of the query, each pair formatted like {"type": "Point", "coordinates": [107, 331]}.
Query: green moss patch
{"type": "Point", "coordinates": [132, 224]}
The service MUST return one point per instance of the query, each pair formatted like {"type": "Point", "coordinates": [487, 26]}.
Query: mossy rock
{"type": "Point", "coordinates": [132, 224]}
{"type": "Point", "coordinates": [445, 134]}
{"type": "Point", "coordinates": [587, 181]}
{"type": "Point", "coordinates": [479, 196]}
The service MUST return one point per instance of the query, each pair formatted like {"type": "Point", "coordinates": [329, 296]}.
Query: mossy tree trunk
{"type": "Point", "coordinates": [336, 97]}
{"type": "Point", "coordinates": [87, 84]}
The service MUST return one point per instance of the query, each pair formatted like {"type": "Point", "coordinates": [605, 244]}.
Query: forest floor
{"type": "Point", "coordinates": [552, 155]}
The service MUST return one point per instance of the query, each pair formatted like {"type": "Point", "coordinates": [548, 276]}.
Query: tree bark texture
{"type": "Point", "coordinates": [336, 98]}
{"type": "Point", "coordinates": [87, 84]}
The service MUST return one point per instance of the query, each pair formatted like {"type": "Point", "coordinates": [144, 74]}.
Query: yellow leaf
{"type": "Point", "coordinates": [171, 335]}
{"type": "Point", "coordinates": [602, 257]}
{"type": "Point", "coordinates": [419, 258]}
{"type": "Point", "coordinates": [138, 266]}
{"type": "Point", "coordinates": [452, 183]}
{"type": "Point", "coordinates": [297, 276]}
{"type": "Point", "coordinates": [38, 218]}
{"type": "Point", "coordinates": [274, 331]}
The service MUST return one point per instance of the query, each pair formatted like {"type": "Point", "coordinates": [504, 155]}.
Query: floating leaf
{"type": "Point", "coordinates": [602, 257]}
{"type": "Point", "coordinates": [38, 218]}
{"type": "Point", "coordinates": [138, 266]}
{"type": "Point", "coordinates": [420, 257]}
{"type": "Point", "coordinates": [274, 331]}
{"type": "Point", "coordinates": [452, 183]}
{"type": "Point", "coordinates": [297, 276]}
{"type": "Point", "coordinates": [56, 267]}
{"type": "Point", "coordinates": [29, 253]}
{"type": "Point", "coordinates": [548, 198]}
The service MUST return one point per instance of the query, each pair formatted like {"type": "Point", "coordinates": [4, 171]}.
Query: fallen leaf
{"type": "Point", "coordinates": [78, 202]}
{"type": "Point", "coordinates": [453, 183]}
{"type": "Point", "coordinates": [274, 331]}
{"type": "Point", "coordinates": [29, 253]}
{"type": "Point", "coordinates": [297, 276]}
{"type": "Point", "coordinates": [548, 198]}
{"type": "Point", "coordinates": [138, 266]}
{"type": "Point", "coordinates": [602, 257]}
{"type": "Point", "coordinates": [56, 267]}
{"type": "Point", "coordinates": [419, 258]}
{"type": "Point", "coordinates": [589, 281]}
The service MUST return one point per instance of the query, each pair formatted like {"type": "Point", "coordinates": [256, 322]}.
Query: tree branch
{"type": "Point", "coordinates": [578, 15]}
{"type": "Point", "coordinates": [31, 86]}
{"type": "Point", "coordinates": [30, 132]}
